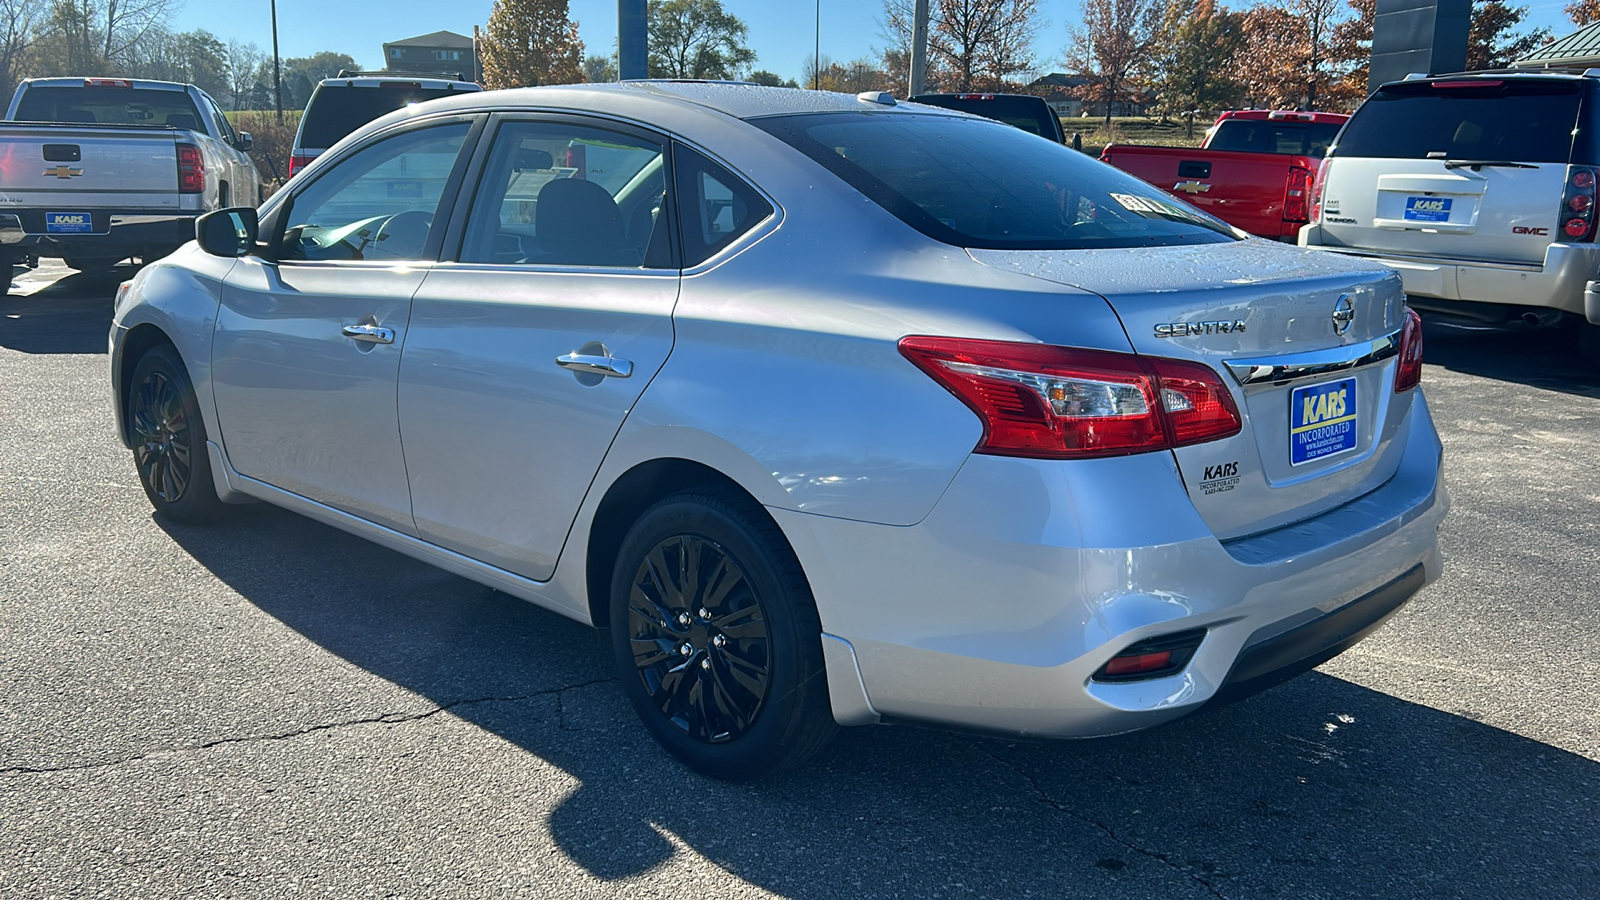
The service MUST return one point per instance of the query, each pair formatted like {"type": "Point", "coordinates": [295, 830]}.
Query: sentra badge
{"type": "Point", "coordinates": [1184, 329]}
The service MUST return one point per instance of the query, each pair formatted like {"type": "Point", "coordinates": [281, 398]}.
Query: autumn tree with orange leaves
{"type": "Point", "coordinates": [529, 43]}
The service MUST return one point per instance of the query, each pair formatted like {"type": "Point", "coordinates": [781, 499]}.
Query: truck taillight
{"type": "Point", "coordinates": [1577, 205]}
{"type": "Point", "coordinates": [1048, 402]}
{"type": "Point", "coordinates": [191, 170]}
{"type": "Point", "coordinates": [1316, 192]}
{"type": "Point", "coordinates": [299, 161]}
{"type": "Point", "coordinates": [1297, 195]}
{"type": "Point", "coordinates": [1409, 373]}
{"type": "Point", "coordinates": [107, 82]}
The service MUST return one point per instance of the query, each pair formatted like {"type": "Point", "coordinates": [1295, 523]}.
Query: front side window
{"type": "Point", "coordinates": [980, 184]}
{"type": "Point", "coordinates": [560, 194]}
{"type": "Point", "coordinates": [379, 204]}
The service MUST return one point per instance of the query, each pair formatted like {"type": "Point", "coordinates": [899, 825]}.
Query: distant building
{"type": "Point", "coordinates": [1065, 94]}
{"type": "Point", "coordinates": [443, 52]}
{"type": "Point", "coordinates": [1576, 52]}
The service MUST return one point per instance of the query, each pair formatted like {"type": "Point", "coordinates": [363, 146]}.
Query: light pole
{"type": "Point", "coordinates": [919, 49]}
{"type": "Point", "coordinates": [633, 40]}
{"type": "Point", "coordinates": [277, 74]}
{"type": "Point", "coordinates": [816, 53]}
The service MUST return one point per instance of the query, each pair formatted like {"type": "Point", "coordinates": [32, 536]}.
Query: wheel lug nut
{"type": "Point", "coordinates": [705, 664]}
{"type": "Point", "coordinates": [720, 640]}
{"type": "Point", "coordinates": [685, 650]}
{"type": "Point", "coordinates": [704, 613]}
{"type": "Point", "coordinates": [683, 619]}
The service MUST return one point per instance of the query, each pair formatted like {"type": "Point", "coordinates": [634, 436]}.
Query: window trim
{"type": "Point", "coordinates": [448, 200]}
{"type": "Point", "coordinates": [456, 234]}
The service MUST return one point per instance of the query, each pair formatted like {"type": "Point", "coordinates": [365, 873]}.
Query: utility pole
{"type": "Point", "coordinates": [919, 49]}
{"type": "Point", "coordinates": [633, 40]}
{"type": "Point", "coordinates": [277, 73]}
{"type": "Point", "coordinates": [816, 53]}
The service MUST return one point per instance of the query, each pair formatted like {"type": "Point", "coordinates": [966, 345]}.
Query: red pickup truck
{"type": "Point", "coordinates": [1254, 170]}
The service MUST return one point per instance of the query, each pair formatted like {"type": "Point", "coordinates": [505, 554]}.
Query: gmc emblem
{"type": "Point", "coordinates": [1522, 229]}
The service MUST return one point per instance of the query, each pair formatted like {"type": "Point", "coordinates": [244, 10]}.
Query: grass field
{"type": "Point", "coordinates": [1133, 130]}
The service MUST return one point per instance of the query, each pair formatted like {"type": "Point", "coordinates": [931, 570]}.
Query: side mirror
{"type": "Point", "coordinates": [245, 142]}
{"type": "Point", "coordinates": [228, 232]}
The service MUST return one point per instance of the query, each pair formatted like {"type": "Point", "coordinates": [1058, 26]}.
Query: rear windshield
{"type": "Point", "coordinates": [1031, 114]}
{"type": "Point", "coordinates": [975, 183]}
{"type": "Point", "coordinates": [336, 110]}
{"type": "Point", "coordinates": [1270, 136]}
{"type": "Point", "coordinates": [109, 106]}
{"type": "Point", "coordinates": [1512, 120]}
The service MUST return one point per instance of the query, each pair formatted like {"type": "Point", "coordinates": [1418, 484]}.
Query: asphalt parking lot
{"type": "Point", "coordinates": [269, 706]}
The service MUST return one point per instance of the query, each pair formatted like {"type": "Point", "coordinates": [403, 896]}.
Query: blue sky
{"type": "Point", "coordinates": [781, 31]}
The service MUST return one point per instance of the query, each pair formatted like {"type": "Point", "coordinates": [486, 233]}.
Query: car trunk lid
{"type": "Point", "coordinates": [1306, 342]}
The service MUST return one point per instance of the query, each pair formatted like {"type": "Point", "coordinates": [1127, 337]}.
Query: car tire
{"type": "Point", "coordinates": [716, 638]}
{"type": "Point", "coordinates": [92, 264]}
{"type": "Point", "coordinates": [169, 439]}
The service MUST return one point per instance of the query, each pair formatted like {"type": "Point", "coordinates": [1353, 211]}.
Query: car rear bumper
{"type": "Point", "coordinates": [995, 611]}
{"type": "Point", "coordinates": [1559, 282]}
{"type": "Point", "coordinates": [113, 233]}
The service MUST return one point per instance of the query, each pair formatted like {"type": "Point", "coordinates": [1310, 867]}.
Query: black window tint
{"type": "Point", "coordinates": [378, 204]}
{"type": "Point", "coordinates": [336, 110]}
{"type": "Point", "coordinates": [109, 106]}
{"type": "Point", "coordinates": [560, 194]}
{"type": "Point", "coordinates": [1031, 114]}
{"type": "Point", "coordinates": [1517, 120]}
{"type": "Point", "coordinates": [973, 183]}
{"type": "Point", "coordinates": [716, 207]}
{"type": "Point", "coordinates": [1270, 136]}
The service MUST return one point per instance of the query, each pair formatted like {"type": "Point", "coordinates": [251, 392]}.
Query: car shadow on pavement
{"type": "Point", "coordinates": [1546, 358]}
{"type": "Point", "coordinates": [69, 315]}
{"type": "Point", "coordinates": [1319, 787]}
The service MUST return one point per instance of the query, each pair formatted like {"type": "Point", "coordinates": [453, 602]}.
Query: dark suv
{"type": "Point", "coordinates": [341, 105]}
{"type": "Point", "coordinates": [1023, 111]}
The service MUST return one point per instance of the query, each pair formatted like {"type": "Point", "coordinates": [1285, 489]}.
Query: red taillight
{"type": "Point", "coordinates": [1320, 185]}
{"type": "Point", "coordinates": [107, 82]}
{"type": "Point", "coordinates": [297, 162]}
{"type": "Point", "coordinates": [1048, 402]}
{"type": "Point", "coordinates": [191, 170]}
{"type": "Point", "coordinates": [1409, 373]}
{"type": "Point", "coordinates": [1295, 196]}
{"type": "Point", "coordinates": [1578, 205]}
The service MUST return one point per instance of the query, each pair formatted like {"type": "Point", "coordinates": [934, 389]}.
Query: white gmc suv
{"type": "Point", "coordinates": [1480, 189]}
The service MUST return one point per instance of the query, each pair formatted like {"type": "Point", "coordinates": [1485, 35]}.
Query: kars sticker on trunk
{"type": "Point", "coordinates": [1322, 420]}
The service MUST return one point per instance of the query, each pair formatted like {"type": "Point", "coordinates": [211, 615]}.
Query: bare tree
{"type": "Point", "coordinates": [1118, 42]}
{"type": "Point", "coordinates": [244, 70]}
{"type": "Point", "coordinates": [20, 21]}
{"type": "Point", "coordinates": [971, 43]}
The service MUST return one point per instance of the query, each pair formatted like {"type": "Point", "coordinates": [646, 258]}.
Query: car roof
{"type": "Point", "coordinates": [93, 81]}
{"type": "Point", "coordinates": [1284, 115]}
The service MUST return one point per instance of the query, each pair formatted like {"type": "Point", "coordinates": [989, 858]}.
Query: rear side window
{"type": "Point", "coordinates": [336, 110]}
{"type": "Point", "coordinates": [109, 106]}
{"type": "Point", "coordinates": [973, 183]}
{"type": "Point", "coordinates": [717, 206]}
{"type": "Point", "coordinates": [1515, 120]}
{"type": "Point", "coordinates": [1268, 136]}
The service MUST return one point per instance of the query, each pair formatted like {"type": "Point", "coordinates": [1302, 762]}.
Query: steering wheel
{"type": "Point", "coordinates": [401, 236]}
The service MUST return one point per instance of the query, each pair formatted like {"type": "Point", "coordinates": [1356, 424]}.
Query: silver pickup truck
{"type": "Point", "coordinates": [98, 170]}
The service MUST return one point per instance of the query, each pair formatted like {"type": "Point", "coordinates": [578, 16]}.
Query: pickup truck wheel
{"type": "Point", "coordinates": [716, 638]}
{"type": "Point", "coordinates": [169, 439]}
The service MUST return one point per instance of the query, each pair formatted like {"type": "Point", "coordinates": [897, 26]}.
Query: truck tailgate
{"type": "Point", "coordinates": [82, 168]}
{"type": "Point", "coordinates": [1246, 190]}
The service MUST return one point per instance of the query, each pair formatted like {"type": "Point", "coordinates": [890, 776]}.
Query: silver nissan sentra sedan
{"type": "Point", "coordinates": [834, 410]}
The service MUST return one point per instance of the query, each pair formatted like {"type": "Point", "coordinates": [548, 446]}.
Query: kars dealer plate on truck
{"type": "Point", "coordinates": [68, 223]}
{"type": "Point", "coordinates": [1322, 420]}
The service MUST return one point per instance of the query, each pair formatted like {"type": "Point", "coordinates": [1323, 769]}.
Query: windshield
{"type": "Point", "coordinates": [336, 110]}
{"type": "Point", "coordinates": [1268, 136]}
{"type": "Point", "coordinates": [109, 106]}
{"type": "Point", "coordinates": [1516, 120]}
{"type": "Point", "coordinates": [977, 183]}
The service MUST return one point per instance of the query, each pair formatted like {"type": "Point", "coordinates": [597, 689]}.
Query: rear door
{"type": "Point", "coordinates": [1471, 168]}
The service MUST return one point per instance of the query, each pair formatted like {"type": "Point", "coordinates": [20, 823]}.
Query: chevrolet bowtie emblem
{"type": "Point", "coordinates": [1192, 187]}
{"type": "Point", "coordinates": [64, 172]}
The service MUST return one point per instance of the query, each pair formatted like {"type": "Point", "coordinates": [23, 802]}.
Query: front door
{"type": "Point", "coordinates": [526, 352]}
{"type": "Point", "coordinates": [307, 345]}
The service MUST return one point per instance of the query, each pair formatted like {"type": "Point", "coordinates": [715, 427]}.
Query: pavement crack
{"type": "Point", "coordinates": [385, 719]}
{"type": "Point", "coordinates": [1045, 798]}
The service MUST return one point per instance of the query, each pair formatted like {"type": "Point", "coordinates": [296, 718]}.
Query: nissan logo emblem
{"type": "Point", "coordinates": [1344, 312]}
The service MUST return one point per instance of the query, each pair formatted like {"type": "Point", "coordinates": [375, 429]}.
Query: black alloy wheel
{"type": "Point", "coordinates": [716, 637]}
{"type": "Point", "coordinates": [699, 638]}
{"type": "Point", "coordinates": [169, 439]}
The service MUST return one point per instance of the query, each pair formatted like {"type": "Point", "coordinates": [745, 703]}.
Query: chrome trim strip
{"type": "Point", "coordinates": [1291, 366]}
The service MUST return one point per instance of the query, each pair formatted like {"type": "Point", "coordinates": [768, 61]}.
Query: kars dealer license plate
{"type": "Point", "coordinates": [1322, 420]}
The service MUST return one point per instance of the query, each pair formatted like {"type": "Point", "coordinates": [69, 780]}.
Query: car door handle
{"type": "Point", "coordinates": [372, 334]}
{"type": "Point", "coordinates": [596, 365]}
